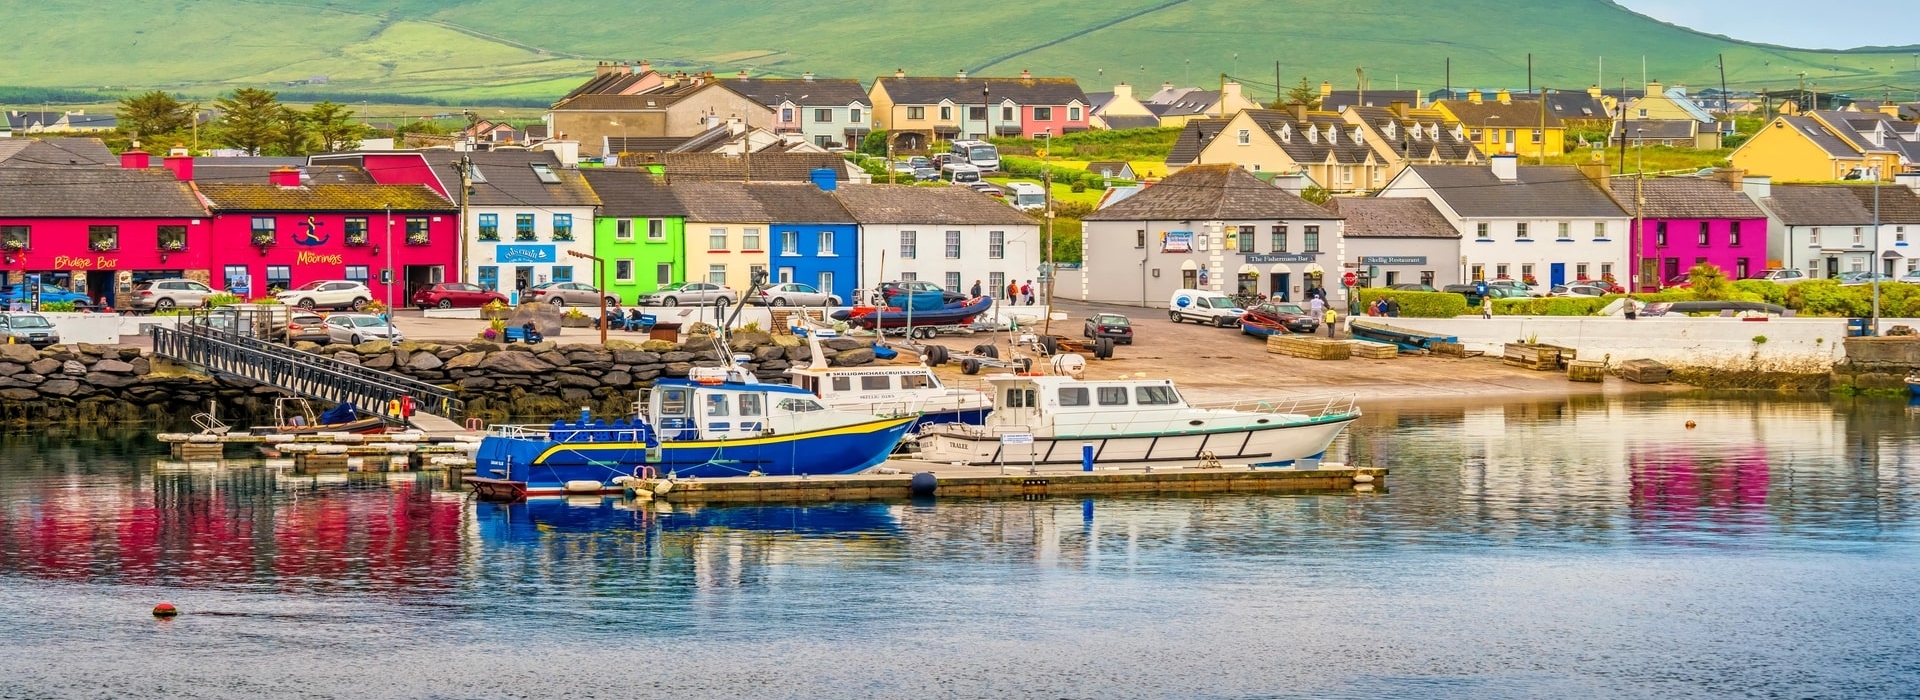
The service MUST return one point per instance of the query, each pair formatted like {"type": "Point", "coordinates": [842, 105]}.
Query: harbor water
{"type": "Point", "coordinates": [1587, 547]}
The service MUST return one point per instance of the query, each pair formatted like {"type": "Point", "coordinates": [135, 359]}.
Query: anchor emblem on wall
{"type": "Point", "coordinates": [310, 236]}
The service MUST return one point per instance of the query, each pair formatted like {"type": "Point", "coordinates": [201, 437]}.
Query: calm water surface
{"type": "Point", "coordinates": [1591, 548]}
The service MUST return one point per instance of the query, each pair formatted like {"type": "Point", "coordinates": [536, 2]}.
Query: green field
{"type": "Point", "coordinates": [497, 52]}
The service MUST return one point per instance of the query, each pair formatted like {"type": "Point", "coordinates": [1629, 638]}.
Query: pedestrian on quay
{"type": "Point", "coordinates": [1316, 305]}
{"type": "Point", "coordinates": [1026, 292]}
{"type": "Point", "coordinates": [1631, 308]}
{"type": "Point", "coordinates": [1013, 292]}
{"type": "Point", "coordinates": [1333, 327]}
{"type": "Point", "coordinates": [976, 289]}
{"type": "Point", "coordinates": [1391, 306]}
{"type": "Point", "coordinates": [1486, 307]}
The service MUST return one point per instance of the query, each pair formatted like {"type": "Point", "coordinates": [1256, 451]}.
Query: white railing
{"type": "Point", "coordinates": [1173, 420]}
{"type": "Point", "coordinates": [1312, 406]}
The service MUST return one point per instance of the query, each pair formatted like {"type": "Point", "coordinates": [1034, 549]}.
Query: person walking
{"type": "Point", "coordinates": [976, 289]}
{"type": "Point", "coordinates": [1631, 308]}
{"type": "Point", "coordinates": [1315, 305]}
{"type": "Point", "coordinates": [1392, 307]}
{"type": "Point", "coordinates": [1013, 292]}
{"type": "Point", "coordinates": [1026, 291]}
{"type": "Point", "coordinates": [1486, 307]}
{"type": "Point", "coordinates": [1332, 319]}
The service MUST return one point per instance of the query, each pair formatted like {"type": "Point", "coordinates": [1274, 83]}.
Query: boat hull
{"type": "Point", "coordinates": [1281, 445]}
{"type": "Point", "coordinates": [899, 318]}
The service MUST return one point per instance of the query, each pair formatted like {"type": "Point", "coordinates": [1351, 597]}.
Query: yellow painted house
{"type": "Point", "coordinates": [1355, 150]}
{"type": "Point", "coordinates": [1663, 103]}
{"type": "Point", "coordinates": [1828, 145]}
{"type": "Point", "coordinates": [1506, 125]}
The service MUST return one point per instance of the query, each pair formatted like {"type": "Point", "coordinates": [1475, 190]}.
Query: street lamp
{"type": "Point", "coordinates": [387, 274]}
{"type": "Point", "coordinates": [600, 288]}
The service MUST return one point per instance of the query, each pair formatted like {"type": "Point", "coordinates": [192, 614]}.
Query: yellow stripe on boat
{"type": "Point", "coordinates": [858, 428]}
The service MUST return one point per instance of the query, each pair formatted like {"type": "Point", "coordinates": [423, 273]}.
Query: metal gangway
{"type": "Point", "coordinates": [230, 349]}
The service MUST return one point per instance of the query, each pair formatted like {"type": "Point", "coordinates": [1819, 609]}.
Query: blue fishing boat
{"type": "Point", "coordinates": [539, 519]}
{"type": "Point", "coordinates": [1913, 384]}
{"type": "Point", "coordinates": [717, 423]}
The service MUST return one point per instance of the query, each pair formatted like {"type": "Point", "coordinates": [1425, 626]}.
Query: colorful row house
{"type": "Point", "coordinates": [1686, 221]}
{"type": "Point", "coordinates": [100, 230]}
{"type": "Point", "coordinates": [640, 231]}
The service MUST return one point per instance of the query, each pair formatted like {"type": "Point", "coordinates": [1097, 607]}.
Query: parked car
{"type": "Point", "coordinates": [986, 188]}
{"type": "Point", "coordinates": [1678, 282]}
{"type": "Point", "coordinates": [1523, 288]}
{"type": "Point", "coordinates": [1200, 306]}
{"type": "Point", "coordinates": [28, 328]}
{"type": "Point", "coordinates": [1577, 290]}
{"type": "Point", "coordinates": [165, 294]}
{"type": "Point", "coordinates": [307, 326]}
{"type": "Point", "coordinates": [1912, 277]}
{"type": "Point", "coordinates": [1785, 275]}
{"type": "Point", "coordinates": [49, 294]}
{"type": "Point", "coordinates": [333, 294]}
{"type": "Point", "coordinates": [359, 328]}
{"type": "Point", "coordinates": [695, 293]}
{"type": "Point", "coordinates": [795, 294]}
{"type": "Point", "coordinates": [925, 174]}
{"type": "Point", "coordinates": [1112, 326]}
{"type": "Point", "coordinates": [960, 173]}
{"type": "Point", "coordinates": [447, 295]}
{"type": "Point", "coordinates": [1472, 292]}
{"type": "Point", "coordinates": [889, 289]}
{"type": "Point", "coordinates": [1852, 279]}
{"type": "Point", "coordinates": [571, 294]}
{"type": "Point", "coordinates": [1291, 315]}
{"type": "Point", "coordinates": [1414, 287]}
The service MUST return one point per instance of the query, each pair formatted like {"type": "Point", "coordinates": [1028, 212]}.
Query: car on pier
{"type": "Point", "coordinates": [333, 294]}
{"type": "Point", "coordinates": [168, 294]}
{"type": "Point", "coordinates": [307, 326]}
{"type": "Point", "coordinates": [355, 329]}
{"type": "Point", "coordinates": [447, 295]}
{"type": "Point", "coordinates": [28, 329]}
{"type": "Point", "coordinates": [692, 293]}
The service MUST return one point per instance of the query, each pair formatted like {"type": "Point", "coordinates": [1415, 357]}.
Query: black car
{"type": "Point", "coordinates": [1472, 292]}
{"type": "Point", "coordinates": [1416, 287]}
{"type": "Point", "coordinates": [1112, 326]}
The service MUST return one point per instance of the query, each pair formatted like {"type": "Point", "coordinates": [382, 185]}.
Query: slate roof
{"type": "Point", "coordinates": [1370, 217]}
{"type": "Point", "coordinates": [1576, 105]}
{"type": "Point", "coordinates": [1193, 103]}
{"type": "Point", "coordinates": [1098, 100]}
{"type": "Point", "coordinates": [1119, 168]}
{"type": "Point", "coordinates": [1662, 129]}
{"type": "Point", "coordinates": [1472, 191]}
{"type": "Point", "coordinates": [1447, 146]}
{"type": "Point", "coordinates": [510, 179]}
{"type": "Point", "coordinates": [1195, 136]}
{"type": "Point", "coordinates": [1816, 132]}
{"type": "Point", "coordinates": [359, 198]}
{"type": "Point", "coordinates": [243, 171]}
{"type": "Point", "coordinates": [95, 193]}
{"type": "Point", "coordinates": [759, 202]}
{"type": "Point", "coordinates": [1032, 91]}
{"type": "Point", "coordinates": [910, 204]}
{"type": "Point", "coordinates": [612, 83]}
{"type": "Point", "coordinates": [798, 167]}
{"type": "Point", "coordinates": [1898, 205]}
{"type": "Point", "coordinates": [643, 144]}
{"type": "Point", "coordinates": [1818, 205]}
{"type": "Point", "coordinates": [1341, 99]}
{"type": "Point", "coordinates": [1686, 198]}
{"type": "Point", "coordinates": [632, 192]}
{"type": "Point", "coordinates": [816, 92]}
{"type": "Point", "coordinates": [57, 152]}
{"type": "Point", "coordinates": [1211, 192]}
{"type": "Point", "coordinates": [1332, 140]}
{"type": "Point", "coordinates": [1517, 114]}
{"type": "Point", "coordinates": [1125, 121]}
{"type": "Point", "coordinates": [1857, 127]}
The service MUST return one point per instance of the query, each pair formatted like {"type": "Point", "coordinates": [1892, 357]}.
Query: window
{"type": "Point", "coordinates": [1479, 272]}
{"type": "Point", "coordinates": [1473, 134]}
{"type": "Point", "coordinates": [1526, 270]}
{"type": "Point", "coordinates": [826, 243]}
{"type": "Point", "coordinates": [1566, 231]}
{"type": "Point", "coordinates": [716, 404]}
{"type": "Point", "coordinates": [1021, 398]}
{"type": "Point", "coordinates": [909, 245]}
{"type": "Point", "coordinates": [1673, 268]}
{"type": "Point", "coordinates": [1856, 236]}
{"type": "Point", "coordinates": [1815, 238]}
{"type": "Point", "coordinates": [750, 240]}
{"type": "Point", "coordinates": [1500, 271]}
{"type": "Point", "coordinates": [997, 245]}
{"type": "Point", "coordinates": [909, 276]}
{"type": "Point", "coordinates": [1043, 114]}
{"type": "Point", "coordinates": [826, 282]}
{"type": "Point", "coordinates": [1705, 236]}
{"type": "Point", "coordinates": [996, 283]}
{"type": "Point", "coordinates": [663, 274]}
{"type": "Point", "coordinates": [171, 238]}
{"type": "Point", "coordinates": [855, 115]}
{"type": "Point", "coordinates": [717, 274]}
{"type": "Point", "coordinates": [523, 228]}
{"type": "Point", "coordinates": [16, 237]}
{"type": "Point", "coordinates": [1660, 234]}
{"type": "Point", "coordinates": [953, 281]}
{"type": "Point", "coordinates": [417, 231]}
{"type": "Point", "coordinates": [1740, 269]}
{"type": "Point", "coordinates": [1346, 175]}
{"type": "Point", "coordinates": [785, 276]}
{"type": "Point", "coordinates": [1520, 230]}
{"type": "Point", "coordinates": [656, 230]}
{"type": "Point", "coordinates": [1538, 136]}
{"type": "Point", "coordinates": [1580, 271]}
{"type": "Point", "coordinates": [1859, 266]}
{"type": "Point", "coordinates": [823, 116]}
{"type": "Point", "coordinates": [562, 273]}
{"type": "Point", "coordinates": [757, 272]}
{"type": "Point", "coordinates": [876, 382]}
{"type": "Point", "coordinates": [1643, 114]}
{"type": "Point", "coordinates": [356, 231]}
{"type": "Point", "coordinates": [1073, 114]}
{"type": "Point", "coordinates": [103, 238]}
{"type": "Point", "coordinates": [357, 273]}
{"type": "Point", "coordinates": [1140, 238]}
{"type": "Point", "coordinates": [946, 113]}
{"type": "Point", "coordinates": [1245, 239]}
{"type": "Point", "coordinates": [623, 229]}
{"type": "Point", "coordinates": [716, 239]}
{"type": "Point", "coordinates": [750, 404]}
{"type": "Point", "coordinates": [1112, 395]}
{"type": "Point", "coordinates": [623, 271]}
{"type": "Point", "coordinates": [786, 114]}
{"type": "Point", "coordinates": [1245, 137]}
{"type": "Point", "coordinates": [1154, 396]}
{"type": "Point", "coordinates": [1733, 236]}
{"type": "Point", "coordinates": [1899, 233]}
{"type": "Point", "coordinates": [1606, 269]}
{"type": "Point", "coordinates": [263, 230]}
{"type": "Point", "coordinates": [563, 227]}
{"type": "Point", "coordinates": [1599, 230]}
{"type": "Point", "coordinates": [489, 278]}
{"type": "Point", "coordinates": [1483, 231]}
{"type": "Point", "coordinates": [822, 140]}
{"type": "Point", "coordinates": [489, 227]}
{"type": "Point", "coordinates": [235, 276]}
{"type": "Point", "coordinates": [1280, 238]}
{"type": "Point", "coordinates": [978, 114]}
{"type": "Point", "coordinates": [1075, 396]}
{"type": "Point", "coordinates": [789, 242]}
{"type": "Point", "coordinates": [953, 245]}
{"type": "Point", "coordinates": [279, 277]}
{"type": "Point", "coordinates": [1310, 240]}
{"type": "Point", "coordinates": [916, 113]}
{"type": "Point", "coordinates": [1006, 113]}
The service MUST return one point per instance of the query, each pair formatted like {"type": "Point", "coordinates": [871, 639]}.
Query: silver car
{"type": "Point", "coordinates": [355, 329]}
{"type": "Point", "coordinates": [693, 293]}
{"type": "Point", "coordinates": [166, 294]}
{"type": "Point", "coordinates": [795, 294]}
{"type": "Point", "coordinates": [571, 294]}
{"type": "Point", "coordinates": [28, 329]}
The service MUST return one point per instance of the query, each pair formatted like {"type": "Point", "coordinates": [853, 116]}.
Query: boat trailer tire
{"type": "Point", "coordinates": [1103, 349]}
{"type": "Point", "coordinates": [1026, 365]}
{"type": "Point", "coordinates": [1049, 346]}
{"type": "Point", "coordinates": [988, 350]}
{"type": "Point", "coordinates": [969, 366]}
{"type": "Point", "coordinates": [936, 355]}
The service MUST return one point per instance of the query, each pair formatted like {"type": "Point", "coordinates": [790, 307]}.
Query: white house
{"type": "Point", "coordinates": [825, 112]}
{"type": "Point", "coordinates": [525, 212]}
{"type": "Point", "coordinates": [1553, 224]}
{"type": "Point", "coordinates": [951, 236]}
{"type": "Point", "coordinates": [1827, 230]}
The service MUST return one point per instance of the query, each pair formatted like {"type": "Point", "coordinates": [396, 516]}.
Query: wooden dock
{"type": "Point", "coordinates": [420, 450]}
{"type": "Point", "coordinates": [895, 481]}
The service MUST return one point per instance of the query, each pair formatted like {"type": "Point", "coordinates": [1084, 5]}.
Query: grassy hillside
{"type": "Point", "coordinates": [481, 50]}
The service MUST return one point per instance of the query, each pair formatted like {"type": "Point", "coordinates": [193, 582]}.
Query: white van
{"type": "Point", "coordinates": [1026, 195]}
{"type": "Point", "coordinates": [1200, 306]}
{"type": "Point", "coordinates": [979, 153]}
{"type": "Point", "coordinates": [959, 173]}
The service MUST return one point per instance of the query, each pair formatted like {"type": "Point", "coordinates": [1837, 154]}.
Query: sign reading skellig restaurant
{"type": "Point", "coordinates": [1393, 259]}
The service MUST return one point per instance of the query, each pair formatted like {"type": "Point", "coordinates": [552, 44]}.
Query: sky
{"type": "Point", "coordinates": [1793, 23]}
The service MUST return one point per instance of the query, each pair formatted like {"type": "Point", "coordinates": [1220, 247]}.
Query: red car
{"type": "Point", "coordinates": [447, 295]}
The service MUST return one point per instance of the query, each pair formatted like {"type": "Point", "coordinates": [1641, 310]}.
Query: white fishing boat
{"type": "Point", "coordinates": [1134, 420]}
{"type": "Point", "coordinates": [888, 390]}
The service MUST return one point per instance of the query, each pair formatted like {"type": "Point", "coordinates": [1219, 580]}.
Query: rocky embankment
{"type": "Point", "coordinates": [88, 383]}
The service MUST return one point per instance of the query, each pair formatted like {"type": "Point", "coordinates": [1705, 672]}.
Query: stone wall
{"type": "Point", "coordinates": [1878, 364]}
{"type": "Point", "coordinates": [87, 383]}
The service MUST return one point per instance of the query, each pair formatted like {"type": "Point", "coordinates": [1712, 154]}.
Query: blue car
{"type": "Point", "coordinates": [49, 294]}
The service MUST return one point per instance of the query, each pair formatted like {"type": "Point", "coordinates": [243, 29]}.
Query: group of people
{"type": "Point", "coordinates": [616, 318]}
{"type": "Point", "coordinates": [1384, 306]}
{"type": "Point", "coordinates": [1017, 293]}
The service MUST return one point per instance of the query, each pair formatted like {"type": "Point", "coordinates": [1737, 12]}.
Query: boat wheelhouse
{"type": "Point", "coordinates": [892, 390]}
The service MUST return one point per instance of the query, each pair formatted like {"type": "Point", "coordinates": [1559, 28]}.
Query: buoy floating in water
{"type": "Point", "coordinates": [165, 610]}
{"type": "Point", "coordinates": [1690, 425]}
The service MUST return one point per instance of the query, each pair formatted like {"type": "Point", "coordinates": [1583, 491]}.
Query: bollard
{"type": "Point", "coordinates": [1086, 456]}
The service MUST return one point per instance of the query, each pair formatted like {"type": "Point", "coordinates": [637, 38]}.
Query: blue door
{"type": "Point", "coordinates": [1558, 275]}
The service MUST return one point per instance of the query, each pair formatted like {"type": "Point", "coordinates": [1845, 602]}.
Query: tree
{"type": "Point", "coordinates": [874, 144]}
{"type": "Point", "coordinates": [250, 120]}
{"type": "Point", "coordinates": [154, 114]}
{"type": "Point", "coordinates": [1304, 93]}
{"type": "Point", "coordinates": [334, 128]}
{"type": "Point", "coordinates": [290, 136]}
{"type": "Point", "coordinates": [1708, 282]}
{"type": "Point", "coordinates": [1316, 194]}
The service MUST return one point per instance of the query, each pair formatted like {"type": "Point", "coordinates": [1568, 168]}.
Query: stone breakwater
{"type": "Point", "coordinates": [94, 383]}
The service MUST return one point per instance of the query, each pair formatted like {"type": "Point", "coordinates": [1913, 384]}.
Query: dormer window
{"type": "Point", "coordinates": [1286, 133]}
{"type": "Point", "coordinates": [1313, 134]}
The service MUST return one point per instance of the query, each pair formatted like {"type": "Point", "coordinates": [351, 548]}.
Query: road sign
{"type": "Point", "coordinates": [1349, 279]}
{"type": "Point", "coordinates": [1017, 439]}
{"type": "Point", "coordinates": [1041, 152]}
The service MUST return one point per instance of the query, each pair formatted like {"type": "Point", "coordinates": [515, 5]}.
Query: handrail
{"type": "Point", "coordinates": [304, 373]}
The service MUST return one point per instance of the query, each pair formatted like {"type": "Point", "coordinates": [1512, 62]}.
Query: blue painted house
{"type": "Point", "coordinates": [813, 240]}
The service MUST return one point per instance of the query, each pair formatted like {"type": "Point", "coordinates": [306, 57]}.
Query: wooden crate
{"type": "Point", "coordinates": [1586, 371]}
{"type": "Point", "coordinates": [1368, 350]}
{"type": "Point", "coordinates": [1309, 347]}
{"type": "Point", "coordinates": [1643, 371]}
{"type": "Point", "coordinates": [1540, 358]}
{"type": "Point", "coordinates": [1448, 349]}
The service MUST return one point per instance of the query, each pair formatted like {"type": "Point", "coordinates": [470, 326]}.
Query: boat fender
{"type": "Point", "coordinates": [924, 483]}
{"type": "Point", "coordinates": [583, 486]}
{"type": "Point", "coordinates": [661, 489]}
{"type": "Point", "coordinates": [1363, 488]}
{"type": "Point", "coordinates": [1362, 478]}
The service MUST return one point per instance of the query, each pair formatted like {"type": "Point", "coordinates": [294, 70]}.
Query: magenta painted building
{"type": "Point", "coordinates": [1686, 221]}
{"type": "Point", "coordinates": [99, 230]}
{"type": "Point", "coordinates": [286, 231]}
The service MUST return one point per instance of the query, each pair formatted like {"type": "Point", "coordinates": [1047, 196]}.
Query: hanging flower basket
{"type": "Point", "coordinates": [263, 240]}
{"type": "Point", "coordinates": [357, 239]}
{"type": "Point", "coordinates": [173, 246]}
{"type": "Point", "coordinates": [14, 244]}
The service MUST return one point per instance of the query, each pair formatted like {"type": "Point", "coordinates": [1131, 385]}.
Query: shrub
{"type": "Point", "coordinates": [1827, 298]}
{"type": "Point", "coordinates": [1420, 304]}
{"type": "Point", "coordinates": [57, 306]}
{"type": "Point", "coordinates": [1768, 291]}
{"type": "Point", "coordinates": [224, 299]}
{"type": "Point", "coordinates": [1759, 340]}
{"type": "Point", "coordinates": [1078, 186]}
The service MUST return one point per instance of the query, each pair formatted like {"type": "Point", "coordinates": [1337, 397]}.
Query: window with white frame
{"type": "Point", "coordinates": [1580, 271]}
{"type": "Point", "coordinates": [1606, 269]}
{"type": "Point", "coordinates": [826, 282]}
{"type": "Point", "coordinates": [823, 116]}
{"type": "Point", "coordinates": [1526, 270]}
{"type": "Point", "coordinates": [716, 239]}
{"type": "Point", "coordinates": [996, 283]}
{"type": "Point", "coordinates": [789, 242]}
{"type": "Point", "coordinates": [916, 113]}
{"type": "Point", "coordinates": [1073, 114]}
{"type": "Point", "coordinates": [1566, 230]}
{"type": "Point", "coordinates": [826, 244]}
{"type": "Point", "coordinates": [1483, 231]}
{"type": "Point", "coordinates": [623, 229]}
{"type": "Point", "coordinates": [1599, 229]}
{"type": "Point", "coordinates": [786, 114]}
{"type": "Point", "coordinates": [1245, 137]}
{"type": "Point", "coordinates": [1479, 272]}
{"type": "Point", "coordinates": [953, 245]}
{"type": "Point", "coordinates": [1856, 236]}
{"type": "Point", "coordinates": [750, 239]}
{"type": "Point", "coordinates": [909, 276]}
{"type": "Point", "coordinates": [1899, 232]}
{"type": "Point", "coordinates": [1706, 234]}
{"type": "Point", "coordinates": [997, 245]}
{"type": "Point", "coordinates": [656, 230]}
{"type": "Point", "coordinates": [856, 116]}
{"type": "Point", "coordinates": [953, 282]}
{"type": "Point", "coordinates": [1500, 270]}
{"type": "Point", "coordinates": [717, 274]}
{"type": "Point", "coordinates": [1520, 230]}
{"type": "Point", "coordinates": [623, 271]}
{"type": "Point", "coordinates": [1140, 238]}
{"type": "Point", "coordinates": [909, 245]}
{"type": "Point", "coordinates": [1043, 114]}
{"type": "Point", "coordinates": [946, 112]}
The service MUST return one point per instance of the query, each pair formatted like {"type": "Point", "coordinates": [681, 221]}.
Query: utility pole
{"type": "Point", "coordinates": [1222, 101]}
{"type": "Point", "coordinates": [1723, 86]}
{"type": "Point", "coordinates": [1046, 174]}
{"type": "Point", "coordinates": [1542, 144]}
{"type": "Point", "coordinates": [1529, 74]}
{"type": "Point", "coordinates": [466, 189]}
{"type": "Point", "coordinates": [1876, 266]}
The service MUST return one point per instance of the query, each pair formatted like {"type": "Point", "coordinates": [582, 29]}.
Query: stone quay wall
{"type": "Point", "coordinates": [86, 383]}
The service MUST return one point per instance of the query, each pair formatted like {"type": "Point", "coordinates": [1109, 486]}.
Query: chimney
{"type": "Point", "coordinates": [1291, 183]}
{"type": "Point", "coordinates": [1594, 92]}
{"type": "Point", "coordinates": [1653, 88]}
{"type": "Point", "coordinates": [1890, 109]}
{"type": "Point", "coordinates": [1757, 188]}
{"type": "Point", "coordinates": [1506, 167]}
{"type": "Point", "coordinates": [1503, 97]}
{"type": "Point", "coordinates": [824, 178]}
{"type": "Point", "coordinates": [1326, 88]}
{"type": "Point", "coordinates": [1026, 74]}
{"type": "Point", "coordinates": [134, 160]}
{"type": "Point", "coordinates": [1682, 87]}
{"type": "Point", "coordinates": [645, 66]}
{"type": "Point", "coordinates": [1299, 110]}
{"type": "Point", "coordinates": [1232, 94]}
{"type": "Point", "coordinates": [284, 178]}
{"type": "Point", "coordinates": [1125, 90]}
{"type": "Point", "coordinates": [1166, 86]}
{"type": "Point", "coordinates": [1473, 97]}
{"type": "Point", "coordinates": [180, 163]}
{"type": "Point", "coordinates": [1733, 177]}
{"type": "Point", "coordinates": [1909, 180]}
{"type": "Point", "coordinates": [602, 68]}
{"type": "Point", "coordinates": [899, 72]}
{"type": "Point", "coordinates": [1597, 172]}
{"type": "Point", "coordinates": [807, 76]}
{"type": "Point", "coordinates": [960, 74]}
{"type": "Point", "coordinates": [1399, 108]}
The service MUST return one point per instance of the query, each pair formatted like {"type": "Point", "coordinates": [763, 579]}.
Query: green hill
{"type": "Point", "coordinates": [476, 51]}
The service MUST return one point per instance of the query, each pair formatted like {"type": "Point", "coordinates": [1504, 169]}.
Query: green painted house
{"type": "Point", "coordinates": [640, 231]}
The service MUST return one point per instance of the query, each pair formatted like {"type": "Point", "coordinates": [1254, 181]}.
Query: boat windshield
{"type": "Point", "coordinates": [800, 405]}
{"type": "Point", "coordinates": [1155, 396]}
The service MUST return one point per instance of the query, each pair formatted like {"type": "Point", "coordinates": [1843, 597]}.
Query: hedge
{"type": "Point", "coordinates": [1419, 304]}
{"type": "Point", "coordinates": [1809, 298]}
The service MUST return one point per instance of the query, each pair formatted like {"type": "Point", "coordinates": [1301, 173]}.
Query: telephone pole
{"type": "Point", "coordinates": [466, 189]}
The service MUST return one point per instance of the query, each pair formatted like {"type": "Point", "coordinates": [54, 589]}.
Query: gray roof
{"type": "Point", "coordinates": [95, 193]}
{"type": "Point", "coordinates": [626, 192]}
{"type": "Point", "coordinates": [911, 204]}
{"type": "Point", "coordinates": [1576, 105]}
{"type": "Point", "coordinates": [1818, 205]}
{"type": "Point", "coordinates": [60, 152]}
{"type": "Point", "coordinates": [1333, 136]}
{"type": "Point", "coordinates": [1211, 192]}
{"type": "Point", "coordinates": [1858, 127]}
{"type": "Point", "coordinates": [1030, 91]}
{"type": "Point", "coordinates": [1685, 198]}
{"type": "Point", "coordinates": [1641, 129]}
{"type": "Point", "coordinates": [1417, 146]}
{"type": "Point", "coordinates": [510, 179]}
{"type": "Point", "coordinates": [1195, 136]}
{"type": "Point", "coordinates": [805, 92]}
{"type": "Point", "coordinates": [1490, 113]}
{"type": "Point", "coordinates": [1340, 99]}
{"type": "Point", "coordinates": [1118, 168]}
{"type": "Point", "coordinates": [1192, 104]}
{"type": "Point", "coordinates": [1816, 132]}
{"type": "Point", "coordinates": [767, 167]}
{"type": "Point", "coordinates": [1371, 217]}
{"type": "Point", "coordinates": [1537, 191]}
{"type": "Point", "coordinates": [1125, 121]}
{"type": "Point", "coordinates": [759, 202]}
{"type": "Point", "coordinates": [254, 170]}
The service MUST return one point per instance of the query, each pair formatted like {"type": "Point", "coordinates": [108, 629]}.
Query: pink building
{"type": "Point", "coordinates": [98, 230]}
{"type": "Point", "coordinates": [285, 231]}
{"type": "Point", "coordinates": [1686, 221]}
